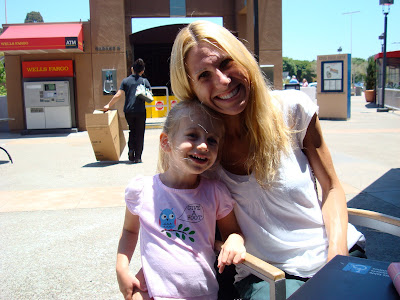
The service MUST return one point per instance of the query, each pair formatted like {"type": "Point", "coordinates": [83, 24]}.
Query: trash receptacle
{"type": "Point", "coordinates": [358, 90]}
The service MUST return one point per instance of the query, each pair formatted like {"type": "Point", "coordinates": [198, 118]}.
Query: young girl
{"type": "Point", "coordinates": [177, 211]}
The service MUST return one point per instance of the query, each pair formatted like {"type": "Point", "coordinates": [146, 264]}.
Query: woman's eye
{"type": "Point", "coordinates": [203, 75]}
{"type": "Point", "coordinates": [225, 63]}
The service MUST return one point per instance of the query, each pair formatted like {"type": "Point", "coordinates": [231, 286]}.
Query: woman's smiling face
{"type": "Point", "coordinates": [217, 80]}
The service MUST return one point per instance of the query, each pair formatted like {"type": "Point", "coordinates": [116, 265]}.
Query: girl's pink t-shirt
{"type": "Point", "coordinates": [177, 235]}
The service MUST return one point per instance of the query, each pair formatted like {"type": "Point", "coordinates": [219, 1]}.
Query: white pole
{"type": "Point", "coordinates": [351, 39]}
{"type": "Point", "coordinates": [351, 35]}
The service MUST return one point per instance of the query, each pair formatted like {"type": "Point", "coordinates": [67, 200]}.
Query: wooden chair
{"type": "Point", "coordinates": [8, 154]}
{"type": "Point", "coordinates": [276, 277]}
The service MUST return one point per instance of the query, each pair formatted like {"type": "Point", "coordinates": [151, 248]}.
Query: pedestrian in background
{"type": "Point", "coordinates": [134, 109]}
{"type": "Point", "coordinates": [293, 80]}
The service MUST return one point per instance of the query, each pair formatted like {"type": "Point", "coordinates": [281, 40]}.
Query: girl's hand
{"type": "Point", "coordinates": [232, 251]}
{"type": "Point", "coordinates": [140, 295]}
{"type": "Point", "coordinates": [128, 283]}
{"type": "Point", "coordinates": [142, 281]}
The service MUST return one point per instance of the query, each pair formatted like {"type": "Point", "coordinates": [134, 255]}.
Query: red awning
{"type": "Point", "coordinates": [35, 38]}
{"type": "Point", "coordinates": [394, 54]}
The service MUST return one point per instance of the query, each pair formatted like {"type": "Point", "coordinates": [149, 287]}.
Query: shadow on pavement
{"type": "Point", "coordinates": [56, 131]}
{"type": "Point", "coordinates": [103, 164]}
{"type": "Point", "coordinates": [382, 196]}
{"type": "Point", "coordinates": [371, 105]}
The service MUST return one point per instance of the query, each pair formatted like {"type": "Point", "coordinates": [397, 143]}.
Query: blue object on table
{"type": "Point", "coordinates": [346, 277]}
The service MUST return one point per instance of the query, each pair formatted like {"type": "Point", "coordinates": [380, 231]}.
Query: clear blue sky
{"type": "Point", "coordinates": [310, 27]}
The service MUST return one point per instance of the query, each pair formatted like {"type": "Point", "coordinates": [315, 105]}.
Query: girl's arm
{"type": "Point", "coordinates": [334, 205]}
{"type": "Point", "coordinates": [233, 250]}
{"type": "Point", "coordinates": [126, 247]}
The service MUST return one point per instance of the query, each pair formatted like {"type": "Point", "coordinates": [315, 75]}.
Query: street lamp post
{"type": "Point", "coordinates": [385, 9]}
{"type": "Point", "coordinates": [382, 37]}
{"type": "Point", "coordinates": [256, 31]}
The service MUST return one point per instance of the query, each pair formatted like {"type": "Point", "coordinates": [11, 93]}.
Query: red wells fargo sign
{"type": "Point", "coordinates": [49, 68]}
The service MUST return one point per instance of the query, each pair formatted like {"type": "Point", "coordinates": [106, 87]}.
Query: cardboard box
{"type": "Point", "coordinates": [106, 135]}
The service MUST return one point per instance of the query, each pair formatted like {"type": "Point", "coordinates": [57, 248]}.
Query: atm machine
{"type": "Point", "coordinates": [48, 104]}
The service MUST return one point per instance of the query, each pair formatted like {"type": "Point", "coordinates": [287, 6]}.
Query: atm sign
{"type": "Point", "coordinates": [49, 68]}
{"type": "Point", "coordinates": [71, 42]}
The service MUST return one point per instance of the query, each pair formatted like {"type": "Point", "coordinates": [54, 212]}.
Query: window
{"type": "Point", "coordinates": [177, 8]}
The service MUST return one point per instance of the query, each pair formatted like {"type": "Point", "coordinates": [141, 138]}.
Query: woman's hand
{"type": "Point", "coordinates": [335, 249]}
{"type": "Point", "coordinates": [106, 107]}
{"type": "Point", "coordinates": [232, 251]}
{"type": "Point", "coordinates": [119, 95]}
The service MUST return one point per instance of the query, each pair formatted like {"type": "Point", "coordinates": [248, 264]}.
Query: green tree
{"type": "Point", "coordinates": [305, 70]}
{"type": "Point", "coordinates": [313, 66]}
{"type": "Point", "coordinates": [370, 78]}
{"type": "Point", "coordinates": [289, 66]}
{"type": "Point", "coordinates": [300, 68]}
{"type": "Point", "coordinates": [359, 69]}
{"type": "Point", "coordinates": [33, 17]}
{"type": "Point", "coordinates": [3, 89]}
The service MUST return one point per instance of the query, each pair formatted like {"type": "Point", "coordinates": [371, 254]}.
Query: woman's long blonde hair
{"type": "Point", "coordinates": [269, 135]}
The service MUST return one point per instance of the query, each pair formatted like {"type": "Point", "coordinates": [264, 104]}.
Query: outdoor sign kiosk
{"type": "Point", "coordinates": [333, 89]}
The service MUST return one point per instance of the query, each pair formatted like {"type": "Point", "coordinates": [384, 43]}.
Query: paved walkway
{"type": "Point", "coordinates": [61, 211]}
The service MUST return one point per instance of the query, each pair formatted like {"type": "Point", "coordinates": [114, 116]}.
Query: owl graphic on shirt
{"type": "Point", "coordinates": [167, 219]}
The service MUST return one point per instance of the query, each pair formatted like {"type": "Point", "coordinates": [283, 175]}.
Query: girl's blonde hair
{"type": "Point", "coordinates": [269, 135]}
{"type": "Point", "coordinates": [176, 114]}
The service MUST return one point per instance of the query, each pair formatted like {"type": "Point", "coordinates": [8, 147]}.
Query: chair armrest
{"type": "Point", "coordinates": [375, 220]}
{"type": "Point", "coordinates": [264, 268]}
{"type": "Point", "coordinates": [257, 266]}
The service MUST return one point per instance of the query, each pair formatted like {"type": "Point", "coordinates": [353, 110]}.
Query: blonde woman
{"type": "Point", "coordinates": [273, 148]}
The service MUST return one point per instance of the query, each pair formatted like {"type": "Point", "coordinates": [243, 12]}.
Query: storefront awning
{"type": "Point", "coordinates": [394, 54]}
{"type": "Point", "coordinates": [42, 38]}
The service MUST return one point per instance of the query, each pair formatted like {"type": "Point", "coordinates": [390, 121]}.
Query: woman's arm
{"type": "Point", "coordinates": [233, 250]}
{"type": "Point", "coordinates": [334, 205]}
{"type": "Point", "coordinates": [114, 99]}
{"type": "Point", "coordinates": [126, 247]}
{"type": "Point", "coordinates": [147, 84]}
